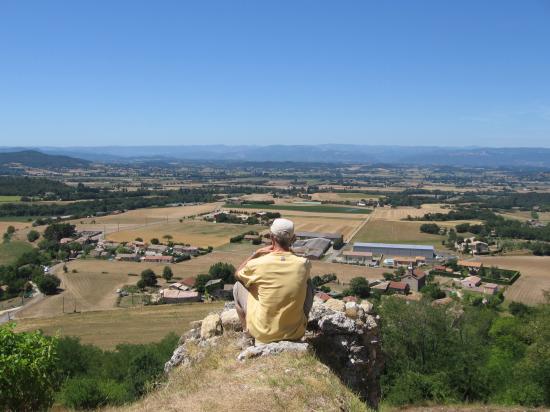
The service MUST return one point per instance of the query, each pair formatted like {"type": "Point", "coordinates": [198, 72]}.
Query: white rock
{"type": "Point", "coordinates": [211, 326]}
{"type": "Point", "coordinates": [272, 349]}
{"type": "Point", "coordinates": [230, 320]}
{"type": "Point", "coordinates": [351, 310]}
{"type": "Point", "coordinates": [367, 306]}
{"type": "Point", "coordinates": [336, 305]}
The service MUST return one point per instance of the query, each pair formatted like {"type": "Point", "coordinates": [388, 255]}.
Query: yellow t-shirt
{"type": "Point", "coordinates": [277, 285]}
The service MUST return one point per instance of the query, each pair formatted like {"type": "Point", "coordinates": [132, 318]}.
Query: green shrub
{"type": "Point", "coordinates": [27, 370]}
{"type": "Point", "coordinates": [92, 393]}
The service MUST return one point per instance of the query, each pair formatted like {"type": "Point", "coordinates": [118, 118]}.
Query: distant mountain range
{"type": "Point", "coordinates": [330, 153]}
{"type": "Point", "coordinates": [34, 158]}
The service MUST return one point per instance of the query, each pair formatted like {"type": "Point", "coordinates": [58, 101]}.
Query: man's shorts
{"type": "Point", "coordinates": [240, 295]}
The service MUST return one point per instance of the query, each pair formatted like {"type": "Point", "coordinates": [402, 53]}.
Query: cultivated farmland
{"type": "Point", "coordinates": [194, 232]}
{"type": "Point", "coordinates": [390, 231]}
{"type": "Point", "coordinates": [534, 279]}
{"type": "Point", "coordinates": [107, 329]}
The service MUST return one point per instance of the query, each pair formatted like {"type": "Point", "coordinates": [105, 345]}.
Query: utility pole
{"type": "Point", "coordinates": [75, 306]}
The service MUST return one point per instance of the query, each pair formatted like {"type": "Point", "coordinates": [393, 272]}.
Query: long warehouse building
{"type": "Point", "coordinates": [395, 249]}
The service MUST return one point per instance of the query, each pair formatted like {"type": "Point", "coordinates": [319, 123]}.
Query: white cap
{"type": "Point", "coordinates": [282, 228]}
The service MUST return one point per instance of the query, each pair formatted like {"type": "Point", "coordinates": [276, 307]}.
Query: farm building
{"type": "Point", "coordinates": [395, 249]}
{"type": "Point", "coordinates": [399, 287]}
{"type": "Point", "coordinates": [189, 250]}
{"type": "Point", "coordinates": [179, 296]}
{"type": "Point", "coordinates": [315, 235]}
{"type": "Point", "coordinates": [312, 248]}
{"type": "Point", "coordinates": [157, 259]}
{"type": "Point", "coordinates": [471, 266]}
{"type": "Point", "coordinates": [358, 258]}
{"type": "Point", "coordinates": [179, 286]}
{"type": "Point", "coordinates": [157, 248]}
{"type": "Point", "coordinates": [471, 281]}
{"type": "Point", "coordinates": [127, 257]}
{"type": "Point", "coordinates": [415, 279]}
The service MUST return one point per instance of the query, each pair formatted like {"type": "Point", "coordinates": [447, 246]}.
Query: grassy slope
{"type": "Point", "coordinates": [10, 251]}
{"type": "Point", "coordinates": [107, 329]}
{"type": "Point", "coordinates": [288, 382]}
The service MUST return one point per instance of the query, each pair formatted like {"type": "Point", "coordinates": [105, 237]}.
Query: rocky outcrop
{"type": "Point", "coordinates": [344, 336]}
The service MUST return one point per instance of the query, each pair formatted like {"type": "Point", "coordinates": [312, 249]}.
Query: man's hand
{"type": "Point", "coordinates": [262, 251]}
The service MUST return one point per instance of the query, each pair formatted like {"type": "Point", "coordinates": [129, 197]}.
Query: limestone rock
{"type": "Point", "coordinates": [336, 305]}
{"type": "Point", "coordinates": [230, 320]}
{"type": "Point", "coordinates": [337, 323]}
{"type": "Point", "coordinates": [367, 306]}
{"type": "Point", "coordinates": [352, 310]}
{"type": "Point", "coordinates": [211, 326]}
{"type": "Point", "coordinates": [272, 349]}
{"type": "Point", "coordinates": [180, 356]}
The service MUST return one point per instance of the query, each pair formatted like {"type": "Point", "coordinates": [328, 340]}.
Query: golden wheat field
{"type": "Point", "coordinates": [194, 232]}
{"type": "Point", "coordinates": [534, 279]}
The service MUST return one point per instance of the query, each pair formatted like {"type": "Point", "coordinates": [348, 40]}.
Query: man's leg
{"type": "Point", "coordinates": [240, 295]}
{"type": "Point", "coordinates": [308, 303]}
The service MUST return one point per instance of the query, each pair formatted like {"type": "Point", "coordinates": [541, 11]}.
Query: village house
{"type": "Point", "coordinates": [127, 257]}
{"type": "Point", "coordinates": [224, 293]}
{"type": "Point", "coordinates": [401, 288]}
{"type": "Point", "coordinates": [213, 285]}
{"type": "Point", "coordinates": [415, 279]}
{"type": "Point", "coordinates": [179, 296]}
{"type": "Point", "coordinates": [186, 250]}
{"type": "Point", "coordinates": [471, 282]}
{"type": "Point", "coordinates": [475, 247]}
{"type": "Point", "coordinates": [157, 248]}
{"type": "Point", "coordinates": [473, 267]}
{"type": "Point", "coordinates": [178, 286]}
{"type": "Point", "coordinates": [357, 258]}
{"type": "Point", "coordinates": [157, 259]}
{"type": "Point", "coordinates": [190, 282]}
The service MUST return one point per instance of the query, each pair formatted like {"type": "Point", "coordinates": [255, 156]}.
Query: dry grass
{"type": "Point", "coordinates": [107, 329]}
{"type": "Point", "coordinates": [399, 213]}
{"type": "Point", "coordinates": [346, 226]}
{"type": "Point", "coordinates": [534, 279]}
{"type": "Point", "coordinates": [17, 225]}
{"type": "Point", "coordinates": [195, 232]}
{"type": "Point", "coordinates": [390, 231]}
{"type": "Point", "coordinates": [286, 382]}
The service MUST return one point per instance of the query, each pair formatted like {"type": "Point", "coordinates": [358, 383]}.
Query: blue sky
{"type": "Point", "coordinates": [257, 72]}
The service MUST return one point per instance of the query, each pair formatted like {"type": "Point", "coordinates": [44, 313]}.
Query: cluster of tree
{"type": "Point", "coordinates": [441, 356]}
{"type": "Point", "coordinates": [45, 189]}
{"type": "Point", "coordinates": [509, 200]}
{"type": "Point", "coordinates": [221, 270]}
{"type": "Point", "coordinates": [238, 238]}
{"type": "Point", "coordinates": [539, 248]}
{"type": "Point", "coordinates": [432, 228]}
{"type": "Point", "coordinates": [78, 376]}
{"type": "Point", "coordinates": [492, 223]}
{"type": "Point", "coordinates": [108, 202]}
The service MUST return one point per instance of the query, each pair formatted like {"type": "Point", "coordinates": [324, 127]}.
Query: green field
{"type": "Point", "coordinates": [17, 218]}
{"type": "Point", "coordinates": [10, 251]}
{"type": "Point", "coordinates": [10, 199]}
{"type": "Point", "coordinates": [386, 231]}
{"type": "Point", "coordinates": [301, 208]}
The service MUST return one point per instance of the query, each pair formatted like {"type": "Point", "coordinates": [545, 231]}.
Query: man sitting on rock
{"type": "Point", "coordinates": [273, 293]}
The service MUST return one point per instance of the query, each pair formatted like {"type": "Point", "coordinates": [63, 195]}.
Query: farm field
{"type": "Point", "coordinates": [195, 232]}
{"type": "Point", "coordinates": [534, 279]}
{"type": "Point", "coordinates": [346, 226]}
{"type": "Point", "coordinates": [544, 217]}
{"type": "Point", "coordinates": [400, 213]}
{"type": "Point", "coordinates": [332, 196]}
{"type": "Point", "coordinates": [389, 231]}
{"type": "Point", "coordinates": [107, 329]}
{"type": "Point", "coordinates": [134, 219]}
{"type": "Point", "coordinates": [10, 251]}
{"type": "Point", "coordinates": [10, 199]}
{"type": "Point", "coordinates": [302, 208]}
{"type": "Point", "coordinates": [17, 225]}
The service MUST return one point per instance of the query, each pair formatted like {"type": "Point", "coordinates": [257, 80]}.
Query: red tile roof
{"type": "Point", "coordinates": [398, 285]}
